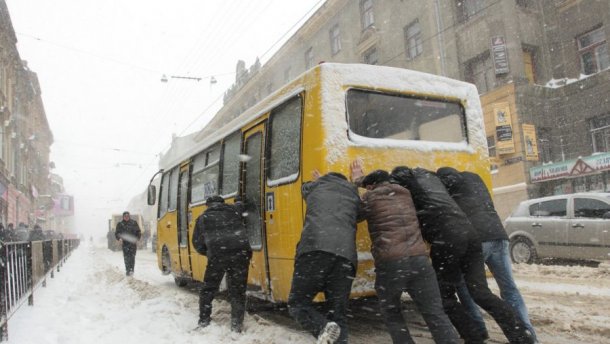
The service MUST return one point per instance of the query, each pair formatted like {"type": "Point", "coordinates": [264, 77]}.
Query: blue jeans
{"type": "Point", "coordinates": [497, 259]}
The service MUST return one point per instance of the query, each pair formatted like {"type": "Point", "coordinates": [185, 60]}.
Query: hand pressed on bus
{"type": "Point", "coordinates": [356, 170]}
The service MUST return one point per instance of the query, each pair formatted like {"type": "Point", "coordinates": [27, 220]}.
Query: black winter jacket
{"type": "Point", "coordinates": [220, 231]}
{"type": "Point", "coordinates": [129, 231]}
{"type": "Point", "coordinates": [470, 193]}
{"type": "Point", "coordinates": [330, 219]}
{"type": "Point", "coordinates": [441, 219]}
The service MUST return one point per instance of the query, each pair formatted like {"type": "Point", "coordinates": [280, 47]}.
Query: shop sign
{"type": "Point", "coordinates": [571, 168]}
{"type": "Point", "coordinates": [504, 129]}
{"type": "Point", "coordinates": [530, 141]}
{"type": "Point", "coordinates": [499, 53]}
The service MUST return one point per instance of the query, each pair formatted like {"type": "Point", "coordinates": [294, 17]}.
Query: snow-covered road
{"type": "Point", "coordinates": [91, 301]}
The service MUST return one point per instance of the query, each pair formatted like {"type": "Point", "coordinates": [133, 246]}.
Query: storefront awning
{"type": "Point", "coordinates": [572, 168]}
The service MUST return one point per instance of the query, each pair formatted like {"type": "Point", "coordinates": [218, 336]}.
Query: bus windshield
{"type": "Point", "coordinates": [390, 116]}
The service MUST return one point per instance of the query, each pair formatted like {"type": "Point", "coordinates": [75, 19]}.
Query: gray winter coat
{"type": "Point", "coordinates": [330, 220]}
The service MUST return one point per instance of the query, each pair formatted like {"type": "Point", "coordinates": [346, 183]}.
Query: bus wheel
{"type": "Point", "coordinates": [166, 263]}
{"type": "Point", "coordinates": [181, 282]}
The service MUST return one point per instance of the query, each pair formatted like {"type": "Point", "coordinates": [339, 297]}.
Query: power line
{"type": "Point", "coordinates": [218, 98]}
{"type": "Point", "coordinates": [81, 51]}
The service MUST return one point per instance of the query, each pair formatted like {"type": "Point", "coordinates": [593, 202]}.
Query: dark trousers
{"type": "Point", "coordinates": [325, 272]}
{"type": "Point", "coordinates": [415, 276]}
{"type": "Point", "coordinates": [235, 265]}
{"type": "Point", "coordinates": [129, 256]}
{"type": "Point", "coordinates": [452, 261]}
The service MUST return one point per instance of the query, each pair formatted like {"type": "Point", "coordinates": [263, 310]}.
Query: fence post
{"type": "Point", "coordinates": [29, 274]}
{"type": "Point", "coordinates": [3, 296]}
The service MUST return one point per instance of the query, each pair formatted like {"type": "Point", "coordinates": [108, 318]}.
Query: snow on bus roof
{"type": "Point", "coordinates": [334, 77]}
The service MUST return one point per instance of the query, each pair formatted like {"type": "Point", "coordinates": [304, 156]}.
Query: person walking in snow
{"type": "Point", "coordinates": [471, 194]}
{"type": "Point", "coordinates": [401, 257]}
{"type": "Point", "coordinates": [326, 258]}
{"type": "Point", "coordinates": [220, 235]}
{"type": "Point", "coordinates": [128, 233]}
{"type": "Point", "coordinates": [456, 252]}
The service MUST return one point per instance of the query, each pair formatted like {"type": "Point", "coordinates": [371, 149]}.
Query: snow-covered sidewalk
{"type": "Point", "coordinates": [91, 301]}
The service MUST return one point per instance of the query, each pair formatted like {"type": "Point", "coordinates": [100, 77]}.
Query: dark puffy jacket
{"type": "Point", "coordinates": [441, 219]}
{"type": "Point", "coordinates": [36, 234]}
{"type": "Point", "coordinates": [392, 223]}
{"type": "Point", "coordinates": [220, 231]}
{"type": "Point", "coordinates": [129, 231]}
{"type": "Point", "coordinates": [470, 193]}
{"type": "Point", "coordinates": [330, 220]}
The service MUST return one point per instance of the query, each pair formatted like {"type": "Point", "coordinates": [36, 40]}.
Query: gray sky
{"type": "Point", "coordinates": [100, 63]}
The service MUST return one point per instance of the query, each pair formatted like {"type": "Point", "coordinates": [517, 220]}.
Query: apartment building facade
{"type": "Point", "coordinates": [541, 68]}
{"type": "Point", "coordinates": [26, 193]}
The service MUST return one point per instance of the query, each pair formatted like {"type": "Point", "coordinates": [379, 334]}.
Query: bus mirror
{"type": "Point", "coordinates": [152, 194]}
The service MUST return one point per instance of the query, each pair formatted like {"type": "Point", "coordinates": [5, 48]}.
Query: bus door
{"type": "Point", "coordinates": [184, 219]}
{"type": "Point", "coordinates": [252, 192]}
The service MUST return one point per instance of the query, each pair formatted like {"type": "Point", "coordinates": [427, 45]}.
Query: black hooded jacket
{"type": "Point", "coordinates": [470, 193]}
{"type": "Point", "coordinates": [129, 231]}
{"type": "Point", "coordinates": [441, 219]}
{"type": "Point", "coordinates": [220, 231]}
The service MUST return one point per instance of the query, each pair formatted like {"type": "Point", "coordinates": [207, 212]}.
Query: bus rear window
{"type": "Point", "coordinates": [388, 116]}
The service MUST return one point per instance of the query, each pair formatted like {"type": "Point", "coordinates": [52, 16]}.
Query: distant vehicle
{"type": "Point", "coordinates": [114, 245]}
{"type": "Point", "coordinates": [574, 226]}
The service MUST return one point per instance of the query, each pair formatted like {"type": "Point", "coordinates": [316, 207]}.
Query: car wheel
{"type": "Point", "coordinates": [166, 263]}
{"type": "Point", "coordinates": [522, 251]}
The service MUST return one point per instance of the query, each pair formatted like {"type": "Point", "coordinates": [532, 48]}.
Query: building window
{"type": "Point", "coordinates": [530, 69]}
{"type": "Point", "coordinates": [545, 148]}
{"type": "Point", "coordinates": [479, 71]}
{"type": "Point", "coordinates": [600, 133]}
{"type": "Point", "coordinates": [335, 39]}
{"type": "Point", "coordinates": [413, 39]}
{"type": "Point", "coordinates": [468, 8]}
{"type": "Point", "coordinates": [366, 11]}
{"type": "Point", "coordinates": [491, 146]}
{"type": "Point", "coordinates": [309, 58]}
{"type": "Point", "coordinates": [370, 56]}
{"type": "Point", "coordinates": [593, 51]}
{"type": "Point", "coordinates": [525, 3]}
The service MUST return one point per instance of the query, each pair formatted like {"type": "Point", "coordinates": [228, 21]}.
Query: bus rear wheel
{"type": "Point", "coordinates": [180, 281]}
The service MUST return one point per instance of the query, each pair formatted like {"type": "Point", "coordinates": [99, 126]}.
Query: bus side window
{"type": "Point", "coordinates": [163, 194]}
{"type": "Point", "coordinates": [204, 181]}
{"type": "Point", "coordinates": [285, 142]}
{"type": "Point", "coordinates": [229, 180]}
{"type": "Point", "coordinates": [173, 189]}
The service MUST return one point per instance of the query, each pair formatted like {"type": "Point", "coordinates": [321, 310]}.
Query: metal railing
{"type": "Point", "coordinates": [25, 266]}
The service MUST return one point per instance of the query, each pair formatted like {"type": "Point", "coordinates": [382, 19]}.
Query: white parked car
{"type": "Point", "coordinates": [573, 226]}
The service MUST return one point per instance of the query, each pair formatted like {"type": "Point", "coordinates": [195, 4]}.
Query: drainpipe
{"type": "Point", "coordinates": [439, 29]}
